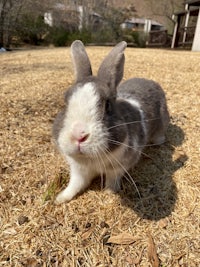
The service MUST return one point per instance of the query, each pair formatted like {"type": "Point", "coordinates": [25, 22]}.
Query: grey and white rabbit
{"type": "Point", "coordinates": [105, 126]}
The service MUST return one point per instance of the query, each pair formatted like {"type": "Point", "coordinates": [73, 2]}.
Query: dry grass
{"type": "Point", "coordinates": [165, 222]}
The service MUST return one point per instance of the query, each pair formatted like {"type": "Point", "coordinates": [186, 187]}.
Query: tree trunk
{"type": "Point", "coordinates": [2, 19]}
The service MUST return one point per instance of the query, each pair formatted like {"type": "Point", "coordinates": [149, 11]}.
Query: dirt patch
{"type": "Point", "coordinates": [164, 221]}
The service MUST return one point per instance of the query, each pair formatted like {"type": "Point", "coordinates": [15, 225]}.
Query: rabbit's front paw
{"type": "Point", "coordinates": [113, 185]}
{"type": "Point", "coordinates": [62, 197]}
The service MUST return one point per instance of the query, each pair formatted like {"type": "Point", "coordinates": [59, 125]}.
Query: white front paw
{"type": "Point", "coordinates": [62, 197]}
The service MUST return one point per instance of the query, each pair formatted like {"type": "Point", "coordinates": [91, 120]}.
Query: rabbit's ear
{"type": "Point", "coordinates": [111, 69]}
{"type": "Point", "coordinates": [81, 61]}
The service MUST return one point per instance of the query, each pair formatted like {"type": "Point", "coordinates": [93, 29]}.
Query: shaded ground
{"type": "Point", "coordinates": [35, 232]}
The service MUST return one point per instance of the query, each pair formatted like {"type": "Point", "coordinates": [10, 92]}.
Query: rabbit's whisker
{"type": "Point", "coordinates": [132, 147]}
{"type": "Point", "coordinates": [112, 164]}
{"type": "Point", "coordinates": [142, 153]}
{"type": "Point", "coordinates": [102, 167]}
{"type": "Point", "coordinates": [107, 157]}
{"type": "Point", "coordinates": [132, 122]}
{"type": "Point", "coordinates": [127, 175]}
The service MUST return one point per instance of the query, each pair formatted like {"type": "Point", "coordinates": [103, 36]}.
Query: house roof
{"type": "Point", "coordinates": [193, 2]}
{"type": "Point", "coordinates": [142, 21]}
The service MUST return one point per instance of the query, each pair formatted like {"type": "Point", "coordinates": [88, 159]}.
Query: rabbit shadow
{"type": "Point", "coordinates": [154, 194]}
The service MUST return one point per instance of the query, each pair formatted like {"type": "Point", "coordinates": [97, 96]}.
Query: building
{"type": "Point", "coordinates": [187, 27]}
{"type": "Point", "coordinates": [141, 24]}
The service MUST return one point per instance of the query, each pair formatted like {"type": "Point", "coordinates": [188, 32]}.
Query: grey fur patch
{"type": "Point", "coordinates": [58, 124]}
{"type": "Point", "coordinates": [152, 101]}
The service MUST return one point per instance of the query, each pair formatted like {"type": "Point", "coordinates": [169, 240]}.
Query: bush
{"type": "Point", "coordinates": [139, 38]}
{"type": "Point", "coordinates": [57, 36]}
{"type": "Point", "coordinates": [85, 36]}
{"type": "Point", "coordinates": [136, 37]}
{"type": "Point", "coordinates": [31, 29]}
{"type": "Point", "coordinates": [104, 35]}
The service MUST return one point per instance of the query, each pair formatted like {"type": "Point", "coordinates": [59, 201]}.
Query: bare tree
{"type": "Point", "coordinates": [24, 17]}
{"type": "Point", "coordinates": [114, 16]}
{"type": "Point", "coordinates": [11, 12]}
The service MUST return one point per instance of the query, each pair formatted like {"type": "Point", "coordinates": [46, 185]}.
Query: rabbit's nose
{"type": "Point", "coordinates": [79, 133]}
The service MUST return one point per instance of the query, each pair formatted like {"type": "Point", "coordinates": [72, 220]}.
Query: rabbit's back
{"type": "Point", "coordinates": [143, 90]}
{"type": "Point", "coordinates": [149, 97]}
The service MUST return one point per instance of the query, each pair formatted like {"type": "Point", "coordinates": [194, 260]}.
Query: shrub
{"type": "Point", "coordinates": [104, 35]}
{"type": "Point", "coordinates": [57, 36]}
{"type": "Point", "coordinates": [136, 37]}
{"type": "Point", "coordinates": [31, 29]}
{"type": "Point", "coordinates": [85, 36]}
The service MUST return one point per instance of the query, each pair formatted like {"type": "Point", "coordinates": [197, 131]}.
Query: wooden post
{"type": "Point", "coordinates": [186, 25]}
{"type": "Point", "coordinates": [196, 41]}
{"type": "Point", "coordinates": [175, 33]}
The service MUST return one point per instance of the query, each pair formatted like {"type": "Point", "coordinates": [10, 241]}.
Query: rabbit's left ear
{"type": "Point", "coordinates": [81, 61]}
{"type": "Point", "coordinates": [111, 69]}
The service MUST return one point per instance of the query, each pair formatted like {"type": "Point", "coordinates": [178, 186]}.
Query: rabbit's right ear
{"type": "Point", "coordinates": [111, 69]}
{"type": "Point", "coordinates": [80, 60]}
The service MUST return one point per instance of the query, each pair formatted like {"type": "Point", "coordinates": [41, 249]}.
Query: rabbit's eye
{"type": "Point", "coordinates": [108, 107]}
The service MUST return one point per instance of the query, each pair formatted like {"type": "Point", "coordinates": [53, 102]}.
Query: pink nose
{"type": "Point", "coordinates": [79, 133]}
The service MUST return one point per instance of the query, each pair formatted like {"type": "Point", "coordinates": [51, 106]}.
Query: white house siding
{"type": "Point", "coordinates": [142, 24]}
{"type": "Point", "coordinates": [48, 19]}
{"type": "Point", "coordinates": [196, 41]}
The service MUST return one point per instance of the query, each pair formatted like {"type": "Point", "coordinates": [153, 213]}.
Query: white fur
{"type": "Point", "coordinates": [82, 108]}
{"type": "Point", "coordinates": [80, 178]}
{"type": "Point", "coordinates": [133, 102]}
{"type": "Point", "coordinates": [83, 172]}
{"type": "Point", "coordinates": [136, 104]}
{"type": "Point", "coordinates": [84, 104]}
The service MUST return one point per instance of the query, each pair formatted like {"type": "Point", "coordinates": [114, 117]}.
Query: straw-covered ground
{"type": "Point", "coordinates": [159, 228]}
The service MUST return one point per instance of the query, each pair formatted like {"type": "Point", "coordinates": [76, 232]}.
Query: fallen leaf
{"type": "Point", "coordinates": [163, 223]}
{"type": "Point", "coordinates": [86, 234]}
{"type": "Point", "coordinates": [122, 239]}
{"type": "Point", "coordinates": [30, 262]}
{"type": "Point", "coordinates": [152, 253]}
{"type": "Point", "coordinates": [10, 231]}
